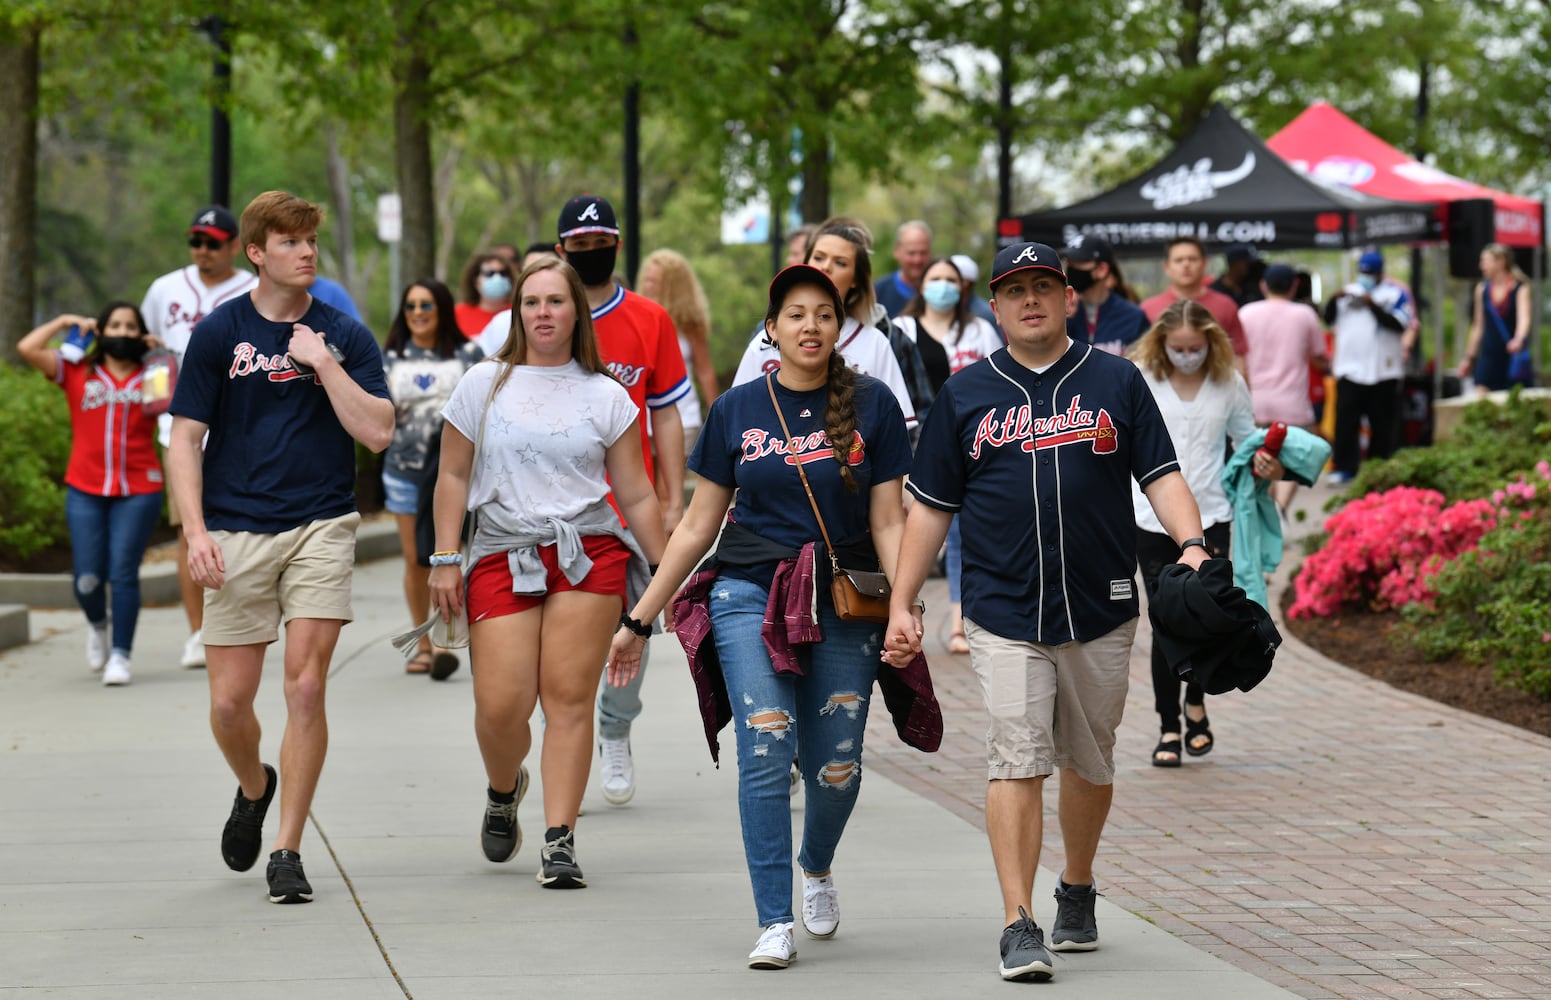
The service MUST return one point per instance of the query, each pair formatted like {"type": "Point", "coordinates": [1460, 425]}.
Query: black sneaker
{"type": "Point", "coordinates": [1024, 955]}
{"type": "Point", "coordinates": [557, 865]}
{"type": "Point", "coordinates": [501, 836]}
{"type": "Point", "coordinates": [243, 837]}
{"type": "Point", "coordinates": [1075, 928]}
{"type": "Point", "coordinates": [287, 882]}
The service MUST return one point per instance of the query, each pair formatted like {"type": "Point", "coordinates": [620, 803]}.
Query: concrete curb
{"type": "Point", "coordinates": [159, 581]}
{"type": "Point", "coordinates": [13, 625]}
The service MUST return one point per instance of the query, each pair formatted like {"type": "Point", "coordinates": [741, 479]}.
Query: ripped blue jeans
{"type": "Point", "coordinates": [108, 538]}
{"type": "Point", "coordinates": [818, 717]}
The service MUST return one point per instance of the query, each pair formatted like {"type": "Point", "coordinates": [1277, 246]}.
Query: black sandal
{"type": "Point", "coordinates": [1167, 746]}
{"type": "Point", "coordinates": [1196, 730]}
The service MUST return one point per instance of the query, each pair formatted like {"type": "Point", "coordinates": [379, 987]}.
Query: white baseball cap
{"type": "Point", "coordinates": [968, 269]}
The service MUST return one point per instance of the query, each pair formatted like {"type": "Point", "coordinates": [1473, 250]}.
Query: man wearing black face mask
{"type": "Point", "coordinates": [1103, 319]}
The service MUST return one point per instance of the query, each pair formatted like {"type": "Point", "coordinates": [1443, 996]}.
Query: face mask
{"type": "Point", "coordinates": [941, 294]}
{"type": "Point", "coordinates": [124, 348]}
{"type": "Point", "coordinates": [595, 267]}
{"type": "Point", "coordinates": [495, 287]}
{"type": "Point", "coordinates": [1186, 362]}
{"type": "Point", "coordinates": [1368, 281]}
{"type": "Point", "coordinates": [1079, 279]}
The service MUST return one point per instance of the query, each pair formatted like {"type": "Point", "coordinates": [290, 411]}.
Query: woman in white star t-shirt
{"type": "Point", "coordinates": [549, 560]}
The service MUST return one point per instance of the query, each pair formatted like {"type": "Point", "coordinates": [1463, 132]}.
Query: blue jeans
{"type": "Point", "coordinates": [618, 707]}
{"type": "Point", "coordinates": [108, 536]}
{"type": "Point", "coordinates": [818, 717]}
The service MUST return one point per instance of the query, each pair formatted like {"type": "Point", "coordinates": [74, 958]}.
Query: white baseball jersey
{"type": "Point", "coordinates": [178, 300]}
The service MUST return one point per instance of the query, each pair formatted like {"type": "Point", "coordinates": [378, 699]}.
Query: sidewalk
{"type": "Point", "coordinates": [111, 884]}
{"type": "Point", "coordinates": [1344, 840]}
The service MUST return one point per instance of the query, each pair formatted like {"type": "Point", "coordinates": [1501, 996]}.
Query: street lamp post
{"type": "Point", "coordinates": [220, 125]}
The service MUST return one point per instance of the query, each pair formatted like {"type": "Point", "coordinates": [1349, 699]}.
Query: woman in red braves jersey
{"type": "Point", "coordinates": [113, 486]}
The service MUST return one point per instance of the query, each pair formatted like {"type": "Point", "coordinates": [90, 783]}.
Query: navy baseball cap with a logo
{"type": "Point", "coordinates": [1025, 257]}
{"type": "Point", "coordinates": [587, 213]}
{"type": "Point", "coordinates": [1085, 248]}
{"type": "Point", "coordinates": [215, 220]}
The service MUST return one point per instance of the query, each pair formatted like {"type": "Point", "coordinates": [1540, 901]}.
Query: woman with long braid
{"type": "Point", "coordinates": [805, 688]}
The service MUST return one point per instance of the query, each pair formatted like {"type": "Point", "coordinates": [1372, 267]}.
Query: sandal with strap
{"type": "Point", "coordinates": [1167, 747]}
{"type": "Point", "coordinates": [1198, 736]}
{"type": "Point", "coordinates": [420, 663]}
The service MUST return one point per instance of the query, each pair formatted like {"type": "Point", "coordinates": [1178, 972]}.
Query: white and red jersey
{"type": "Point", "coordinates": [177, 300]}
{"type": "Point", "coordinates": [113, 441]}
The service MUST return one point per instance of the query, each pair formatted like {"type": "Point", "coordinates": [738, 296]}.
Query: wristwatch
{"type": "Point", "coordinates": [1187, 543]}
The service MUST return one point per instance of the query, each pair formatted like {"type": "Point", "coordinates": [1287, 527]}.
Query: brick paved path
{"type": "Point", "coordinates": [1344, 839]}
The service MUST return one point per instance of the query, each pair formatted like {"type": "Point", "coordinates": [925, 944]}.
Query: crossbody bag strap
{"type": "Point", "coordinates": [1491, 310]}
{"type": "Point", "coordinates": [791, 449]}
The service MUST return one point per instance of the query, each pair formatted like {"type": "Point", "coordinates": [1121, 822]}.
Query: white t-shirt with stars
{"type": "Point", "coordinates": [545, 439]}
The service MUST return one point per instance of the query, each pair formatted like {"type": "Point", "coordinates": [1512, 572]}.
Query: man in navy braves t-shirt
{"type": "Point", "coordinates": [285, 386]}
{"type": "Point", "coordinates": [1035, 448]}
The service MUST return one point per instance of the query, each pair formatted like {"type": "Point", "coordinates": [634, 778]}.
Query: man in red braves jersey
{"type": "Point", "coordinates": [285, 386]}
{"type": "Point", "coordinates": [173, 304]}
{"type": "Point", "coordinates": [641, 348]}
{"type": "Point", "coordinates": [1056, 432]}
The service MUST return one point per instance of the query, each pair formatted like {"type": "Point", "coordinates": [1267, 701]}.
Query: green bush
{"type": "Point", "coordinates": [33, 452]}
{"type": "Point", "coordinates": [1491, 444]}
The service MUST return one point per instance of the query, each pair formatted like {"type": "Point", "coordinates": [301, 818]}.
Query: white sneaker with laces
{"type": "Point", "coordinates": [775, 949]}
{"type": "Point", "coordinates": [618, 771]}
{"type": "Point", "coordinates": [194, 651]}
{"type": "Point", "coordinates": [820, 906]}
{"type": "Point", "coordinates": [96, 647]}
{"type": "Point", "coordinates": [117, 671]}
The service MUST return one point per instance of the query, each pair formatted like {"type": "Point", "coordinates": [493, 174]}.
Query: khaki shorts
{"type": "Point", "coordinates": [1052, 706]}
{"type": "Point", "coordinates": [271, 579]}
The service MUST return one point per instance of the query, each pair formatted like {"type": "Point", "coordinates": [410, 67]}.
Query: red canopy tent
{"type": "Point", "coordinates": [1330, 146]}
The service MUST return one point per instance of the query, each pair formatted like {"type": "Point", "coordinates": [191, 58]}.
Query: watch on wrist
{"type": "Point", "coordinates": [1198, 540]}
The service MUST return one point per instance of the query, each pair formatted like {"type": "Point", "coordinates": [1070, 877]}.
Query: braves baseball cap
{"type": "Point", "coordinates": [1025, 257]}
{"type": "Point", "coordinates": [968, 269]}
{"type": "Point", "coordinates": [1371, 262]}
{"type": "Point", "coordinates": [215, 220]}
{"type": "Point", "coordinates": [803, 274]}
{"type": "Point", "coordinates": [1083, 248]}
{"type": "Point", "coordinates": [587, 213]}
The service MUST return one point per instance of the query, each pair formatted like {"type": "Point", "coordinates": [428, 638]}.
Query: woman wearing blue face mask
{"type": "Point", "coordinates": [1188, 362]}
{"type": "Point", "coordinates": [485, 291]}
{"type": "Point", "coordinates": [949, 336]}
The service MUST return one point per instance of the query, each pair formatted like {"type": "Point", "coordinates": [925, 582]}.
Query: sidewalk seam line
{"type": "Point", "coordinates": [376, 938]}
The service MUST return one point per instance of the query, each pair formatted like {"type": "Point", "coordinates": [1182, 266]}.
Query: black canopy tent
{"type": "Point", "coordinates": [1222, 185]}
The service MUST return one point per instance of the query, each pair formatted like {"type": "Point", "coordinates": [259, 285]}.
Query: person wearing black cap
{"type": "Point", "coordinates": [1103, 318]}
{"type": "Point", "coordinates": [1035, 449]}
{"type": "Point", "coordinates": [1240, 280]}
{"type": "Point", "coordinates": [1371, 319]}
{"type": "Point", "coordinates": [844, 433]}
{"type": "Point", "coordinates": [172, 305]}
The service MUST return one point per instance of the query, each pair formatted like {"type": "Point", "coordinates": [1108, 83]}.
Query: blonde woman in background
{"type": "Point", "coordinates": [667, 279]}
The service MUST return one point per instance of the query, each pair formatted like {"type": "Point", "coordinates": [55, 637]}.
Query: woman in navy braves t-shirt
{"type": "Point", "coordinates": [849, 435]}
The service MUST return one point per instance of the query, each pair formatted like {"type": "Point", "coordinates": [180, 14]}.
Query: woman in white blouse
{"type": "Point", "coordinates": [1188, 361]}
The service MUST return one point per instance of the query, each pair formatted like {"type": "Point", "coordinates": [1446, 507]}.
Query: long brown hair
{"type": "Point", "coordinates": [679, 292]}
{"type": "Point", "coordinates": [1149, 355]}
{"type": "Point", "coordinates": [584, 342]}
{"type": "Point", "coordinates": [861, 298]}
{"type": "Point", "coordinates": [840, 407]}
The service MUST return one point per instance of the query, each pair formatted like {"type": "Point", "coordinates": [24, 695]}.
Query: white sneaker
{"type": "Point", "coordinates": [117, 670]}
{"type": "Point", "coordinates": [775, 949]}
{"type": "Point", "coordinates": [820, 906]}
{"type": "Point", "coordinates": [618, 771]}
{"type": "Point", "coordinates": [96, 647]}
{"type": "Point", "coordinates": [194, 651]}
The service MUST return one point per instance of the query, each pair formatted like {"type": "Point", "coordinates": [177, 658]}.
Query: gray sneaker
{"type": "Point", "coordinates": [1024, 955]}
{"type": "Point", "coordinates": [501, 836]}
{"type": "Point", "coordinates": [1075, 927]}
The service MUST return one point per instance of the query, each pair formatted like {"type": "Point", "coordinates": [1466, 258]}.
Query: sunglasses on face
{"type": "Point", "coordinates": [205, 243]}
{"type": "Point", "coordinates": [424, 307]}
{"type": "Point", "coordinates": [487, 274]}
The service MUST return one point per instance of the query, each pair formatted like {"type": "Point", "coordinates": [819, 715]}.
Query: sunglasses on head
{"type": "Point", "coordinates": [197, 242]}
{"type": "Point", "coordinates": [424, 307]}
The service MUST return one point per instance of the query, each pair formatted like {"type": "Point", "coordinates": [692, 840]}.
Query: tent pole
{"type": "Point", "coordinates": [1439, 333]}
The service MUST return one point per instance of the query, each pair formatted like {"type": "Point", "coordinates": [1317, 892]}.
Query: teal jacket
{"type": "Point", "coordinates": [1257, 524]}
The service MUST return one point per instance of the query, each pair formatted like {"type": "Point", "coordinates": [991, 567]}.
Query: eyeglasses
{"type": "Point", "coordinates": [490, 274]}
{"type": "Point", "coordinates": [424, 307]}
{"type": "Point", "coordinates": [205, 243]}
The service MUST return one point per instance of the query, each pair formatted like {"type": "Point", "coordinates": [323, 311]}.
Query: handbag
{"type": "Point", "coordinates": [1521, 366]}
{"type": "Point", "coordinates": [859, 595]}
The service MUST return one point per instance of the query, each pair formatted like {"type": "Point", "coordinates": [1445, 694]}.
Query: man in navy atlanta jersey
{"type": "Point", "coordinates": [1034, 449]}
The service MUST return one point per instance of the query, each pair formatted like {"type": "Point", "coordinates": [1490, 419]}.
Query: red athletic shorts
{"type": "Point", "coordinates": [490, 585]}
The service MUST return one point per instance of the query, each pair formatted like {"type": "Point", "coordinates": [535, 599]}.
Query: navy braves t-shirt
{"type": "Point", "coordinates": [1038, 466]}
{"type": "Point", "coordinates": [742, 447]}
{"type": "Point", "coordinates": [277, 457]}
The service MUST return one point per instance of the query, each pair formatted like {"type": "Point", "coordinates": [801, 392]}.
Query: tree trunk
{"type": "Point", "coordinates": [412, 148]}
{"type": "Point", "coordinates": [815, 177]}
{"type": "Point", "coordinates": [18, 180]}
{"type": "Point", "coordinates": [342, 232]}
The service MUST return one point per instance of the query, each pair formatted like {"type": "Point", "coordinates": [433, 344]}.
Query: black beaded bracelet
{"type": "Point", "coordinates": [640, 628]}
